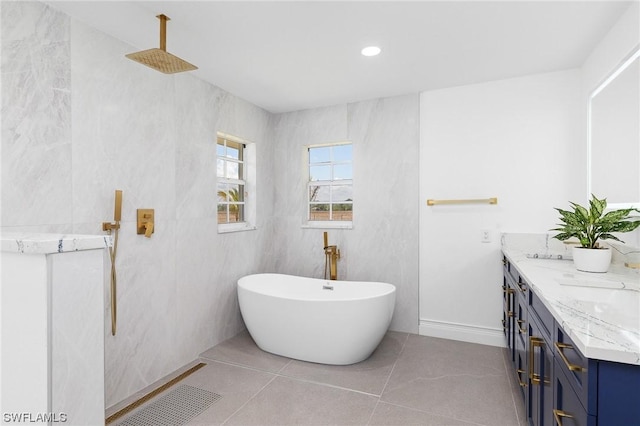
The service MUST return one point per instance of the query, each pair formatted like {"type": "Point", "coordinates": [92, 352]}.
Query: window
{"type": "Point", "coordinates": [234, 185]}
{"type": "Point", "coordinates": [330, 188]}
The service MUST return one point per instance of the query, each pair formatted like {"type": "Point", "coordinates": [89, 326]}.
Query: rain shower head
{"type": "Point", "coordinates": [160, 59]}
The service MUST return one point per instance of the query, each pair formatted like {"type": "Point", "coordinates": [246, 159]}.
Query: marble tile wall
{"type": "Point", "coordinates": [36, 116]}
{"type": "Point", "coordinates": [79, 121]}
{"type": "Point", "coordinates": [383, 244]}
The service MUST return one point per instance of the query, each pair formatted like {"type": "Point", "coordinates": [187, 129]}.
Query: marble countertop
{"type": "Point", "coordinates": [600, 312]}
{"type": "Point", "coordinates": [33, 243]}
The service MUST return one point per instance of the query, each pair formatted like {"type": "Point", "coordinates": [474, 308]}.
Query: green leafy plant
{"type": "Point", "coordinates": [592, 224]}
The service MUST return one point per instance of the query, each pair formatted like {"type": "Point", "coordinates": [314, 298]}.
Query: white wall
{"type": "Point", "coordinates": [616, 46]}
{"type": "Point", "coordinates": [518, 140]}
{"type": "Point", "coordinates": [619, 42]}
{"type": "Point", "coordinates": [522, 140]}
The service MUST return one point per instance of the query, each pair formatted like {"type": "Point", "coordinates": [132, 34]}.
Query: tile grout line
{"type": "Point", "coordinates": [511, 387]}
{"type": "Point", "coordinates": [249, 400]}
{"type": "Point", "coordinates": [470, 422]}
{"type": "Point", "coordinates": [297, 379]}
{"type": "Point", "coordinates": [431, 413]}
{"type": "Point", "coordinates": [404, 345]}
{"type": "Point", "coordinates": [388, 378]}
{"type": "Point", "coordinates": [286, 365]}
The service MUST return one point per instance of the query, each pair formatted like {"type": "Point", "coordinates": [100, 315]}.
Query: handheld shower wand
{"type": "Point", "coordinates": [114, 227]}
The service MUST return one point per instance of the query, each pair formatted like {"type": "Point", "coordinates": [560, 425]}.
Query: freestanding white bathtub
{"type": "Point", "coordinates": [328, 322]}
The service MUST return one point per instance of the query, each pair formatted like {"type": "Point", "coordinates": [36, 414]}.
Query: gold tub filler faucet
{"type": "Point", "coordinates": [331, 256]}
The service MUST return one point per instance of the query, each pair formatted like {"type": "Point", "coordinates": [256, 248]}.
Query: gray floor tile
{"type": "Point", "coordinates": [434, 357]}
{"type": "Point", "coordinates": [369, 376]}
{"type": "Point", "coordinates": [421, 380]}
{"type": "Point", "coordinates": [393, 415]}
{"type": "Point", "coordinates": [242, 350]}
{"type": "Point", "coordinates": [484, 400]}
{"type": "Point", "coordinates": [236, 385]}
{"type": "Point", "coordinates": [516, 390]}
{"type": "Point", "coordinates": [291, 402]}
{"type": "Point", "coordinates": [459, 380]}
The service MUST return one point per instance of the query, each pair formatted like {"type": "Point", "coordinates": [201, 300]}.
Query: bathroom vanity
{"type": "Point", "coordinates": [52, 340]}
{"type": "Point", "coordinates": [574, 340]}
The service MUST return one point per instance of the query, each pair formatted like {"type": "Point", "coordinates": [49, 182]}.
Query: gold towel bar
{"type": "Point", "coordinates": [493, 200]}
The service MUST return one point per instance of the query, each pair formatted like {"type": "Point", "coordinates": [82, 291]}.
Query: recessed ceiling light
{"type": "Point", "coordinates": [371, 51]}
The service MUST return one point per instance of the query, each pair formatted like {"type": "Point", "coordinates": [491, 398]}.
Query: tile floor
{"type": "Point", "coordinates": [409, 380]}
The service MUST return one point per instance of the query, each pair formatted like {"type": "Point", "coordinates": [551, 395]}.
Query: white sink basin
{"type": "Point", "coordinates": [582, 281]}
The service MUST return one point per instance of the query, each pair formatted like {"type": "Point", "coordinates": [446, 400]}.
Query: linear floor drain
{"type": "Point", "coordinates": [175, 408]}
{"type": "Point", "coordinates": [148, 397]}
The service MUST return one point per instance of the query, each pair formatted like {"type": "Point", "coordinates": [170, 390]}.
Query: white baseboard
{"type": "Point", "coordinates": [462, 332]}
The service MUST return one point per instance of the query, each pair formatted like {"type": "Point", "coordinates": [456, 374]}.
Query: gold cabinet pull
{"type": "Point", "coordinates": [520, 329]}
{"type": "Point", "coordinates": [520, 382]}
{"type": "Point", "coordinates": [523, 287]}
{"type": "Point", "coordinates": [533, 343]}
{"type": "Point", "coordinates": [571, 367]}
{"type": "Point", "coordinates": [559, 414]}
{"type": "Point", "coordinates": [507, 290]}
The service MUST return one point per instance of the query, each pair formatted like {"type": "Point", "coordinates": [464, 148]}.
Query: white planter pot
{"type": "Point", "coordinates": [591, 260]}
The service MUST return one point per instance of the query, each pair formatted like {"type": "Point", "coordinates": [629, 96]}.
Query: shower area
{"type": "Point", "coordinates": [80, 120]}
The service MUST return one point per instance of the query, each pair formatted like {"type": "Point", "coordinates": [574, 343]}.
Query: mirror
{"type": "Point", "coordinates": [614, 137]}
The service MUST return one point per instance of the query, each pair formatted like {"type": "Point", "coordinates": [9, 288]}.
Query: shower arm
{"type": "Point", "coordinates": [114, 227]}
{"type": "Point", "coordinates": [163, 31]}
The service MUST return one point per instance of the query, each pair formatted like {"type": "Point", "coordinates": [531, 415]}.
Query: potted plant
{"type": "Point", "coordinates": [589, 226]}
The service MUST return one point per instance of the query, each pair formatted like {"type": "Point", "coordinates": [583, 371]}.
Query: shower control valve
{"type": "Point", "coordinates": [146, 222]}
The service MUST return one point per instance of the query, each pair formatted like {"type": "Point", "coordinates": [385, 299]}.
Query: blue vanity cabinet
{"type": "Point", "coordinates": [521, 358]}
{"type": "Point", "coordinates": [609, 397]}
{"type": "Point", "coordinates": [515, 323]}
{"type": "Point", "coordinates": [521, 336]}
{"type": "Point", "coordinates": [508, 309]}
{"type": "Point", "coordinates": [560, 386]}
{"type": "Point", "coordinates": [567, 407]}
{"type": "Point", "coordinates": [618, 393]}
{"type": "Point", "coordinates": [541, 367]}
{"type": "Point", "coordinates": [594, 392]}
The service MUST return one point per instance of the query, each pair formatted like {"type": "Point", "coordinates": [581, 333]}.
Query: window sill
{"type": "Point", "coordinates": [328, 225]}
{"type": "Point", "coordinates": [227, 228]}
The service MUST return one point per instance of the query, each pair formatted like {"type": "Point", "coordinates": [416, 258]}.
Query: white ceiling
{"type": "Point", "coordinates": [286, 56]}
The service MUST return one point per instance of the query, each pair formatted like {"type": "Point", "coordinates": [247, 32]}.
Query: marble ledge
{"type": "Point", "coordinates": [599, 312]}
{"type": "Point", "coordinates": [38, 243]}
